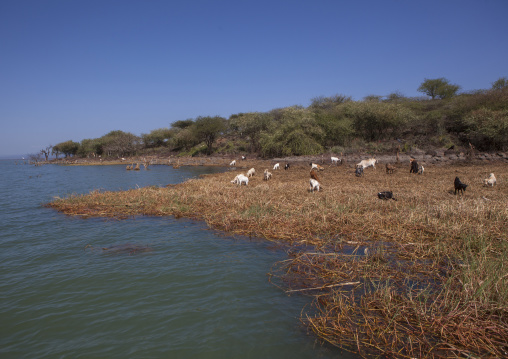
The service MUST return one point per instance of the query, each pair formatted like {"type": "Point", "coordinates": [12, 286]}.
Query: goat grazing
{"type": "Point", "coordinates": [276, 166]}
{"type": "Point", "coordinates": [367, 163]}
{"type": "Point", "coordinates": [491, 181]}
{"type": "Point", "coordinates": [314, 185]}
{"type": "Point", "coordinates": [421, 169]}
{"type": "Point", "coordinates": [318, 167]}
{"type": "Point", "coordinates": [359, 171]}
{"type": "Point", "coordinates": [459, 186]}
{"type": "Point", "coordinates": [233, 163]}
{"type": "Point", "coordinates": [414, 166]}
{"type": "Point", "coordinates": [390, 168]}
{"type": "Point", "coordinates": [244, 158]}
{"type": "Point", "coordinates": [335, 160]}
{"type": "Point", "coordinates": [313, 175]}
{"type": "Point", "coordinates": [386, 195]}
{"type": "Point", "coordinates": [251, 172]}
{"type": "Point", "coordinates": [240, 179]}
{"type": "Point", "coordinates": [287, 166]}
{"type": "Point", "coordinates": [267, 175]}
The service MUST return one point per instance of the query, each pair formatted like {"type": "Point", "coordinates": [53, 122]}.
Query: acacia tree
{"type": "Point", "coordinates": [68, 148]}
{"type": "Point", "coordinates": [501, 83]}
{"type": "Point", "coordinates": [157, 138]}
{"type": "Point", "coordinates": [119, 143]}
{"type": "Point", "coordinates": [440, 88]}
{"type": "Point", "coordinates": [90, 147]}
{"type": "Point", "coordinates": [208, 128]}
{"type": "Point", "coordinates": [250, 125]}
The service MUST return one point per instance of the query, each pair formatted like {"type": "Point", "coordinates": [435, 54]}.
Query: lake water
{"type": "Point", "coordinates": [196, 294]}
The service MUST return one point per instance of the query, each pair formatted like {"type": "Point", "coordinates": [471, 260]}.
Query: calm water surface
{"type": "Point", "coordinates": [196, 294]}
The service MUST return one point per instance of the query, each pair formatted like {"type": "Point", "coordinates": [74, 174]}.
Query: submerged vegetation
{"type": "Point", "coordinates": [336, 123]}
{"type": "Point", "coordinates": [423, 276]}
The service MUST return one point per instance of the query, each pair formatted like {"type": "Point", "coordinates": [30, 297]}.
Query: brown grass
{"type": "Point", "coordinates": [434, 281]}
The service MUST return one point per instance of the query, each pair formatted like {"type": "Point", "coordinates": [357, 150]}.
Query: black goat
{"type": "Point", "coordinates": [459, 186]}
{"type": "Point", "coordinates": [414, 166]}
{"type": "Point", "coordinates": [286, 167]}
{"type": "Point", "coordinates": [359, 171]}
{"type": "Point", "coordinates": [386, 195]}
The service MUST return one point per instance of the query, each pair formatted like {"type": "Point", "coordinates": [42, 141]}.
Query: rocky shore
{"type": "Point", "coordinates": [429, 157]}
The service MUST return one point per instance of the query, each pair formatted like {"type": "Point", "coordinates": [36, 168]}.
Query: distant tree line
{"type": "Point", "coordinates": [337, 123]}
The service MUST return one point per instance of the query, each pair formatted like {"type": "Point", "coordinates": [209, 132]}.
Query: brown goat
{"type": "Point", "coordinates": [390, 168]}
{"type": "Point", "coordinates": [314, 175]}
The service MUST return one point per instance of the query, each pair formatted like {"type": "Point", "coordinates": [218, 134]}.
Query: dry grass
{"type": "Point", "coordinates": [434, 282]}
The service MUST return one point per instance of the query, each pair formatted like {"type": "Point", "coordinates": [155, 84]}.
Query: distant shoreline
{"type": "Point", "coordinates": [438, 157]}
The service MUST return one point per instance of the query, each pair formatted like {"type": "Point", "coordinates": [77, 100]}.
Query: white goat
{"type": "Point", "coordinates": [367, 163]}
{"type": "Point", "coordinates": [314, 185]}
{"type": "Point", "coordinates": [251, 172]}
{"type": "Point", "coordinates": [421, 169]}
{"type": "Point", "coordinates": [239, 179]}
{"type": "Point", "coordinates": [491, 181]}
{"type": "Point", "coordinates": [316, 166]}
{"type": "Point", "coordinates": [276, 166]}
{"type": "Point", "coordinates": [233, 163]}
{"type": "Point", "coordinates": [335, 160]}
{"type": "Point", "coordinates": [267, 175]}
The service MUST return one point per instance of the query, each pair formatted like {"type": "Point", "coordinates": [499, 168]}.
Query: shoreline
{"type": "Point", "coordinates": [430, 157]}
{"type": "Point", "coordinates": [449, 245]}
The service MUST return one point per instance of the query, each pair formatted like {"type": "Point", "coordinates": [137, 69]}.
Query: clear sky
{"type": "Point", "coordinates": [76, 69]}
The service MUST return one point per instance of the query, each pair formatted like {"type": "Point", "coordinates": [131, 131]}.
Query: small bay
{"type": "Point", "coordinates": [190, 293]}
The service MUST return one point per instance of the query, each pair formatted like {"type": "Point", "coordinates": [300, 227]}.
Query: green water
{"type": "Point", "coordinates": [194, 293]}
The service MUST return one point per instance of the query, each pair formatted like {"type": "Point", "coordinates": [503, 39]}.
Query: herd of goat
{"type": "Point", "coordinates": [315, 184]}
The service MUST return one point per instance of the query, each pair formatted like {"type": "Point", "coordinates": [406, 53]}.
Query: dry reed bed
{"type": "Point", "coordinates": [434, 281]}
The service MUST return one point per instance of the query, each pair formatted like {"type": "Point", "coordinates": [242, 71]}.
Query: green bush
{"type": "Point", "coordinates": [487, 129]}
{"type": "Point", "coordinates": [293, 132]}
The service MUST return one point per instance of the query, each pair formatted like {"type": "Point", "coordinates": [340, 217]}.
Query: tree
{"type": "Point", "coordinates": [487, 129]}
{"type": "Point", "coordinates": [327, 103]}
{"type": "Point", "coordinates": [55, 151]}
{"type": "Point", "coordinates": [68, 148]}
{"type": "Point", "coordinates": [250, 125]}
{"type": "Point", "coordinates": [46, 152]}
{"type": "Point", "coordinates": [395, 96]}
{"type": "Point", "coordinates": [372, 98]}
{"type": "Point", "coordinates": [208, 128]}
{"type": "Point", "coordinates": [119, 143]}
{"type": "Point", "coordinates": [294, 131]}
{"type": "Point", "coordinates": [440, 88]}
{"type": "Point", "coordinates": [377, 120]}
{"type": "Point", "coordinates": [183, 123]}
{"type": "Point", "coordinates": [501, 83]}
{"type": "Point", "coordinates": [34, 158]}
{"type": "Point", "coordinates": [90, 148]}
{"type": "Point", "coordinates": [157, 138]}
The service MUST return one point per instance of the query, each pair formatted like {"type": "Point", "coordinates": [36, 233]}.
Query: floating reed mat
{"type": "Point", "coordinates": [423, 276]}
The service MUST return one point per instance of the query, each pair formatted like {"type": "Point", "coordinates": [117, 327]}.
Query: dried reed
{"type": "Point", "coordinates": [425, 276]}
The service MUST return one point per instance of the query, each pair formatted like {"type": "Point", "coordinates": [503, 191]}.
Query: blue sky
{"type": "Point", "coordinates": [76, 69]}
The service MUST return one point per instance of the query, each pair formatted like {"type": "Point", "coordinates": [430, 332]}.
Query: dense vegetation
{"type": "Point", "coordinates": [336, 124]}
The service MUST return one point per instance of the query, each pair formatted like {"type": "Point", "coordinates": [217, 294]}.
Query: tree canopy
{"type": "Point", "coordinates": [68, 148]}
{"type": "Point", "coordinates": [440, 88]}
{"type": "Point", "coordinates": [501, 83]}
{"type": "Point", "coordinates": [208, 128]}
{"type": "Point", "coordinates": [327, 124]}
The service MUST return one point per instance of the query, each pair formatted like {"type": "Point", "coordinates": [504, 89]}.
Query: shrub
{"type": "Point", "coordinates": [487, 129]}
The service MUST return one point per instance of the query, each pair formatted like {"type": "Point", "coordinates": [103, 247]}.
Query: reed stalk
{"type": "Point", "coordinates": [423, 276]}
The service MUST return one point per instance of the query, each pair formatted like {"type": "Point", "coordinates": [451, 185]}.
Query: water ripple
{"type": "Point", "coordinates": [193, 295]}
